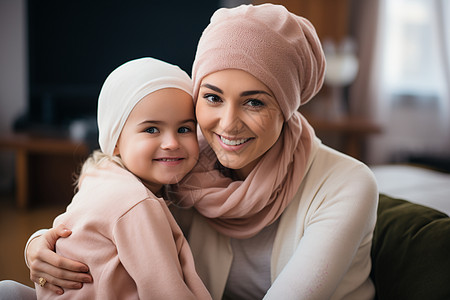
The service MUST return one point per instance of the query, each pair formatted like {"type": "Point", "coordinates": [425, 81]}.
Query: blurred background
{"type": "Point", "coordinates": [386, 97]}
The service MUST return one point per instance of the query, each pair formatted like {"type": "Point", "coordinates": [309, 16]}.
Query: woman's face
{"type": "Point", "coordinates": [239, 117]}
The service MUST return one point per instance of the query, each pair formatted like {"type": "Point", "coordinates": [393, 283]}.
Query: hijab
{"type": "Point", "coordinates": [283, 51]}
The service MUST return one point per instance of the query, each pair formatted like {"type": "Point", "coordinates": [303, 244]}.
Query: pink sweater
{"type": "Point", "coordinates": [130, 241]}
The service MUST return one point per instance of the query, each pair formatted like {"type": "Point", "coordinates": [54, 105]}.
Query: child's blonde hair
{"type": "Point", "coordinates": [94, 161]}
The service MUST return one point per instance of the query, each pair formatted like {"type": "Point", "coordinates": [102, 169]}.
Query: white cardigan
{"type": "Point", "coordinates": [322, 245]}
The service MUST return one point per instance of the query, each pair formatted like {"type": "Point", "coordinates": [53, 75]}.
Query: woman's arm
{"type": "Point", "coordinates": [43, 262]}
{"type": "Point", "coordinates": [333, 256]}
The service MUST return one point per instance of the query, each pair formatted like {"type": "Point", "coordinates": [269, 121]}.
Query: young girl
{"type": "Point", "coordinates": [122, 228]}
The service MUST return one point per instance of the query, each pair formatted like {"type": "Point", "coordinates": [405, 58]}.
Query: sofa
{"type": "Point", "coordinates": [411, 243]}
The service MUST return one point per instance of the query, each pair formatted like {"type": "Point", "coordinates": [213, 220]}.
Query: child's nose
{"type": "Point", "coordinates": [170, 142]}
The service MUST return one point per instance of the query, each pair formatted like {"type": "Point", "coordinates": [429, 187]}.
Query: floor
{"type": "Point", "coordinates": [15, 228]}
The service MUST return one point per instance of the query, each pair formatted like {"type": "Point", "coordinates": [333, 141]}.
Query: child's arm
{"type": "Point", "coordinates": [145, 238]}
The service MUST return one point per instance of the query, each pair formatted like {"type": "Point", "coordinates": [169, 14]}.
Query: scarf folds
{"type": "Point", "coordinates": [240, 209]}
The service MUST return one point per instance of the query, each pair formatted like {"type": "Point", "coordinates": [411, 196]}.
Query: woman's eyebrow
{"type": "Point", "coordinates": [212, 87]}
{"type": "Point", "coordinates": [250, 93]}
{"type": "Point", "coordinates": [243, 94]}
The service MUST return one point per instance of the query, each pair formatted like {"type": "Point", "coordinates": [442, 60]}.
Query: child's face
{"type": "Point", "coordinates": [159, 142]}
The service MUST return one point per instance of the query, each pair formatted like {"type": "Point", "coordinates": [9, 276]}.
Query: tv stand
{"type": "Point", "coordinates": [44, 167]}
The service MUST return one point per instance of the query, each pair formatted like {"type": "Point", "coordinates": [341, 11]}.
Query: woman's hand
{"type": "Point", "coordinates": [59, 272]}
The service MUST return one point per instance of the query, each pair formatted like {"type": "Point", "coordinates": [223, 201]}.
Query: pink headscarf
{"type": "Point", "coordinates": [283, 51]}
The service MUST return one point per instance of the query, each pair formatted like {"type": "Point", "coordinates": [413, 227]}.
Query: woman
{"type": "Point", "coordinates": [276, 213]}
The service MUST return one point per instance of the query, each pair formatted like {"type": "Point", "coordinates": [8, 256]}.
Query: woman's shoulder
{"type": "Point", "coordinates": [331, 162]}
{"type": "Point", "coordinates": [332, 172]}
{"type": "Point", "coordinates": [337, 182]}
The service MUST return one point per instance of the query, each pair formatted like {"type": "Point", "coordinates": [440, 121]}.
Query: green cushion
{"type": "Point", "coordinates": [410, 251]}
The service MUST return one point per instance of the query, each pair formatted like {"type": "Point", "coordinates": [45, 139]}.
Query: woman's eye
{"type": "Point", "coordinates": [255, 103]}
{"type": "Point", "coordinates": [212, 98]}
{"type": "Point", "coordinates": [184, 130]}
{"type": "Point", "coordinates": [152, 130]}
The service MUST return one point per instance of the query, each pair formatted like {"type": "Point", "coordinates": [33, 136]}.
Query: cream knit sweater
{"type": "Point", "coordinates": [322, 245]}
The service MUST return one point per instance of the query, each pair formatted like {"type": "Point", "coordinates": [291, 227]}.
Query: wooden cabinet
{"type": "Point", "coordinates": [329, 17]}
{"type": "Point", "coordinates": [45, 167]}
{"type": "Point", "coordinates": [347, 134]}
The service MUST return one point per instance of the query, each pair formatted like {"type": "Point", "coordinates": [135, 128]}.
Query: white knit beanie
{"type": "Point", "coordinates": [126, 86]}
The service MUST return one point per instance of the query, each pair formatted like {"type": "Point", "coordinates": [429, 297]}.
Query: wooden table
{"type": "Point", "coordinates": [38, 158]}
{"type": "Point", "coordinates": [353, 132]}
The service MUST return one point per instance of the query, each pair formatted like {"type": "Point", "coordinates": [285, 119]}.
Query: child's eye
{"type": "Point", "coordinates": [255, 103]}
{"type": "Point", "coordinates": [212, 98]}
{"type": "Point", "coordinates": [184, 129]}
{"type": "Point", "coordinates": [152, 130]}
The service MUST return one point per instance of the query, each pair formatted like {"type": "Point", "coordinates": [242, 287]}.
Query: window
{"type": "Point", "coordinates": [412, 80]}
{"type": "Point", "coordinates": [412, 61]}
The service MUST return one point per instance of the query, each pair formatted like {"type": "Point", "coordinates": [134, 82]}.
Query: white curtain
{"type": "Point", "coordinates": [406, 88]}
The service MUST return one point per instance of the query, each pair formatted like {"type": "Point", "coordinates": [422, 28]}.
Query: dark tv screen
{"type": "Point", "coordinates": [74, 45]}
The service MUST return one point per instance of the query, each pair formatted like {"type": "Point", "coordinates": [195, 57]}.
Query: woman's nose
{"type": "Point", "coordinates": [230, 120]}
{"type": "Point", "coordinates": [170, 141]}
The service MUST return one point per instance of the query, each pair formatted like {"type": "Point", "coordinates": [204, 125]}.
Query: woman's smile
{"type": "Point", "coordinates": [233, 143]}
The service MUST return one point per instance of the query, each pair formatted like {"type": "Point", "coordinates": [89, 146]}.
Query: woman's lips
{"type": "Point", "coordinates": [233, 144]}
